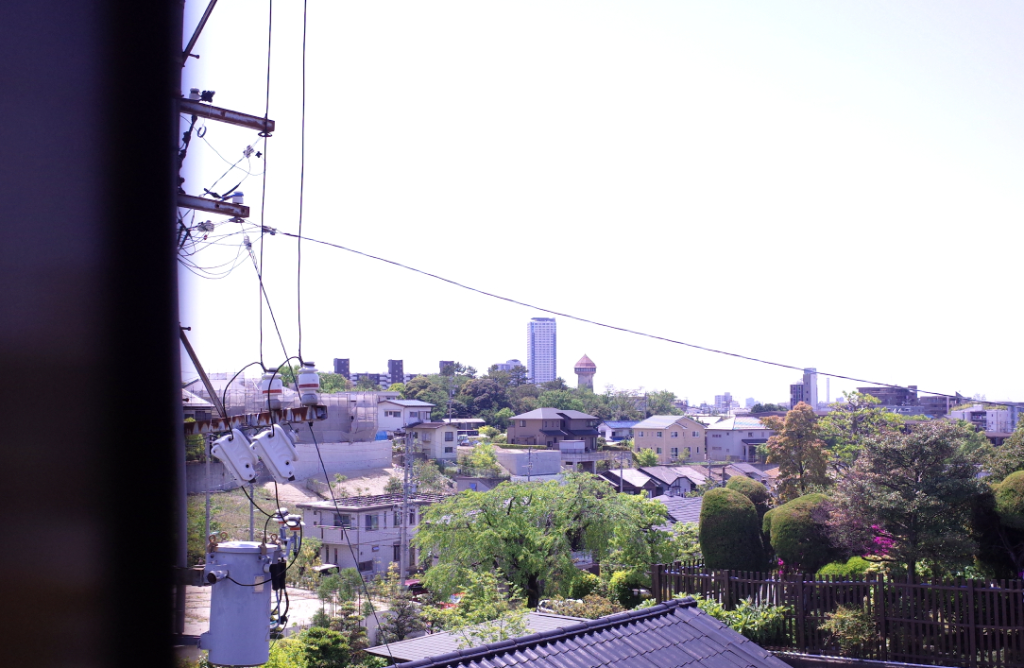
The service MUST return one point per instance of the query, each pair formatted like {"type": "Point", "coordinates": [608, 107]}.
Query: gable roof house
{"type": "Point", "coordinates": [673, 438]}
{"type": "Point", "coordinates": [674, 480]}
{"type": "Point", "coordinates": [616, 430]}
{"type": "Point", "coordinates": [396, 414]}
{"type": "Point", "coordinates": [438, 440]}
{"type": "Point", "coordinates": [673, 633]}
{"type": "Point", "coordinates": [572, 433]}
{"type": "Point", "coordinates": [633, 481]}
{"type": "Point", "coordinates": [736, 439]}
{"type": "Point", "coordinates": [681, 509]}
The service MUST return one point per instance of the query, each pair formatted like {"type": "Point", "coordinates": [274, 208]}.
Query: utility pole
{"type": "Point", "coordinates": [622, 464]}
{"type": "Point", "coordinates": [403, 548]}
{"type": "Point", "coordinates": [529, 464]}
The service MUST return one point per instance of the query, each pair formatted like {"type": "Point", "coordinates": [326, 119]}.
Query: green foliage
{"type": "Point", "coordinates": [324, 648]}
{"type": "Point", "coordinates": [848, 426]}
{"type": "Point", "coordinates": [854, 629]}
{"type": "Point", "coordinates": [195, 446]}
{"type": "Point", "coordinates": [730, 534]}
{"type": "Point", "coordinates": [331, 383]}
{"type": "Point", "coordinates": [798, 532]}
{"type": "Point", "coordinates": [590, 606]}
{"type": "Point", "coordinates": [646, 457]}
{"type": "Point", "coordinates": [1008, 457]}
{"type": "Point", "coordinates": [624, 586]}
{"type": "Point", "coordinates": [1010, 500]}
{"type": "Point", "coordinates": [560, 399]}
{"type": "Point", "coordinates": [301, 573]}
{"type": "Point", "coordinates": [767, 408]}
{"type": "Point", "coordinates": [430, 479]}
{"type": "Point", "coordinates": [854, 568]}
{"type": "Point", "coordinates": [482, 462]}
{"type": "Point", "coordinates": [662, 402]}
{"type": "Point", "coordinates": [910, 497]}
{"type": "Point", "coordinates": [759, 622]}
{"type": "Point", "coordinates": [584, 585]}
{"type": "Point", "coordinates": [799, 451]}
{"type": "Point", "coordinates": [393, 485]}
{"type": "Point", "coordinates": [403, 616]}
{"type": "Point", "coordinates": [684, 540]}
{"type": "Point", "coordinates": [484, 613]}
{"type": "Point", "coordinates": [755, 491]}
{"type": "Point", "coordinates": [529, 531]}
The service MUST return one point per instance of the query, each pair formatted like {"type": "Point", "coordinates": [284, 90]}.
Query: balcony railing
{"type": "Point", "coordinates": [331, 534]}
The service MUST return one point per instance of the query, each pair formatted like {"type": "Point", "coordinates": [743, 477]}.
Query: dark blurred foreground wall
{"type": "Point", "coordinates": [87, 144]}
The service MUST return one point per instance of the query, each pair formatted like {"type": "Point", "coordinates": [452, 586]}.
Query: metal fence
{"type": "Point", "coordinates": [975, 623]}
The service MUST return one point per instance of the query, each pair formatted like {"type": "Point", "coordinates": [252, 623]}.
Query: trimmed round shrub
{"type": "Point", "coordinates": [854, 569]}
{"type": "Point", "coordinates": [730, 534]}
{"type": "Point", "coordinates": [798, 534]}
{"type": "Point", "coordinates": [1010, 500]}
{"type": "Point", "coordinates": [753, 490]}
{"type": "Point", "coordinates": [622, 584]}
{"type": "Point", "coordinates": [584, 585]}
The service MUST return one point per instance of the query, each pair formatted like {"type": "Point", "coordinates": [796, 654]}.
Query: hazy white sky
{"type": "Point", "coordinates": [828, 184]}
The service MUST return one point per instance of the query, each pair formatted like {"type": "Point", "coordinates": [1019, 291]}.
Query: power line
{"type": "Point", "coordinates": [618, 328]}
{"type": "Point", "coordinates": [302, 181]}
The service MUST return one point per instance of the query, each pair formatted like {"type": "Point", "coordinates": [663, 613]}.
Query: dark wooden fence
{"type": "Point", "coordinates": [972, 623]}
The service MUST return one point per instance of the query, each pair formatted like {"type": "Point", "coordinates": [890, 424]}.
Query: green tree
{"type": "Point", "coordinates": [1009, 457]}
{"type": "Point", "coordinates": [556, 385]}
{"type": "Point", "coordinates": [799, 451]}
{"type": "Point", "coordinates": [324, 648]}
{"type": "Point", "coordinates": [767, 408]}
{"type": "Point", "coordinates": [334, 382]}
{"type": "Point", "coordinates": [646, 457]}
{"type": "Point", "coordinates": [485, 613]}
{"type": "Point", "coordinates": [529, 531]}
{"type": "Point", "coordinates": [393, 485]}
{"type": "Point", "coordinates": [684, 542]}
{"type": "Point", "coordinates": [366, 384]}
{"type": "Point", "coordinates": [662, 402]}
{"type": "Point", "coordinates": [403, 617]}
{"type": "Point", "coordinates": [909, 497]}
{"type": "Point", "coordinates": [730, 536]}
{"type": "Point", "coordinates": [755, 491]}
{"type": "Point", "coordinates": [998, 525]}
{"type": "Point", "coordinates": [799, 535]}
{"type": "Point", "coordinates": [565, 400]}
{"type": "Point", "coordinates": [481, 462]}
{"type": "Point", "coordinates": [397, 387]}
{"type": "Point", "coordinates": [430, 479]}
{"type": "Point", "coordinates": [848, 426]}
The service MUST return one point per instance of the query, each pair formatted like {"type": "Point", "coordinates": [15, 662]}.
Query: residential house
{"type": "Point", "coordinates": [736, 439]}
{"type": "Point", "coordinates": [373, 525]}
{"type": "Point", "coordinates": [631, 481]}
{"type": "Point", "coordinates": [396, 414]}
{"type": "Point", "coordinates": [673, 633]}
{"type": "Point", "coordinates": [616, 430]}
{"type": "Point", "coordinates": [437, 440]}
{"type": "Point", "coordinates": [674, 438]}
{"type": "Point", "coordinates": [756, 472]}
{"type": "Point", "coordinates": [572, 433]}
{"type": "Point", "coordinates": [674, 480]}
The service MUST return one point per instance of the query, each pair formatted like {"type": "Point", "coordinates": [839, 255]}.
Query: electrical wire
{"type": "Point", "coordinates": [263, 193]}
{"type": "Point", "coordinates": [624, 329]}
{"type": "Point", "coordinates": [273, 318]}
{"type": "Point", "coordinates": [351, 550]}
{"type": "Point", "coordinates": [302, 182]}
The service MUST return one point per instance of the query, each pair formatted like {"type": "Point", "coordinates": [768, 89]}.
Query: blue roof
{"type": "Point", "coordinates": [619, 424]}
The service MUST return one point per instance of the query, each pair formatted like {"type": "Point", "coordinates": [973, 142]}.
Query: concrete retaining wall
{"type": "Point", "coordinates": [195, 477]}
{"type": "Point", "coordinates": [342, 458]}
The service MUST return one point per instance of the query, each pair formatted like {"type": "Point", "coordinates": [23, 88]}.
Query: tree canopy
{"type": "Point", "coordinates": [799, 451]}
{"type": "Point", "coordinates": [528, 532]}
{"type": "Point", "coordinates": [848, 426]}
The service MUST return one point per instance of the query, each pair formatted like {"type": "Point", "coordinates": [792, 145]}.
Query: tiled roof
{"type": "Point", "coordinates": [740, 423]}
{"type": "Point", "coordinates": [585, 362]}
{"type": "Point", "coordinates": [681, 508]}
{"type": "Point", "coordinates": [436, 644]}
{"type": "Point", "coordinates": [674, 633]}
{"type": "Point", "coordinates": [658, 422]}
{"type": "Point", "coordinates": [408, 403]}
{"type": "Point", "coordinates": [632, 476]}
{"type": "Point", "coordinates": [553, 414]}
{"type": "Point", "coordinates": [619, 424]}
{"type": "Point", "coordinates": [669, 474]}
{"type": "Point", "coordinates": [429, 425]}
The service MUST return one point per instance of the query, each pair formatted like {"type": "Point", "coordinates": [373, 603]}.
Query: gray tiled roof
{"type": "Point", "coordinates": [553, 414]}
{"type": "Point", "coordinates": [674, 633]}
{"type": "Point", "coordinates": [681, 508]}
{"type": "Point", "coordinates": [436, 644]}
{"type": "Point", "coordinates": [658, 422]}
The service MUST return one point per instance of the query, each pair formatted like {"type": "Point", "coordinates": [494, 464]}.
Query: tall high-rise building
{"type": "Point", "coordinates": [585, 370]}
{"type": "Point", "coordinates": [396, 371]}
{"type": "Point", "coordinates": [341, 367]}
{"type": "Point", "coordinates": [541, 350]}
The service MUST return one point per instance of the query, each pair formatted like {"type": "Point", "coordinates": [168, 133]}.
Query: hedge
{"type": "Point", "coordinates": [797, 536]}
{"type": "Point", "coordinates": [730, 535]}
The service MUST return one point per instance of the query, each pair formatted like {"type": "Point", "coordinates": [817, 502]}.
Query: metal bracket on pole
{"type": "Point", "coordinates": [213, 206]}
{"type": "Point", "coordinates": [214, 399]}
{"type": "Point", "coordinates": [203, 110]}
{"type": "Point", "coordinates": [195, 35]}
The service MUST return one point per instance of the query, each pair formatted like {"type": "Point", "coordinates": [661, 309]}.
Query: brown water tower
{"type": "Point", "coordinates": [585, 370]}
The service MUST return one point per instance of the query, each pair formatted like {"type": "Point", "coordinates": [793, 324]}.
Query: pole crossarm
{"type": "Point", "coordinates": [212, 206]}
{"type": "Point", "coordinates": [208, 111]}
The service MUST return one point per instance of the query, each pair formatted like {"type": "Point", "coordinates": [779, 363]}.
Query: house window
{"type": "Point", "coordinates": [675, 434]}
{"type": "Point", "coordinates": [522, 423]}
{"type": "Point", "coordinates": [393, 414]}
{"type": "Point", "coordinates": [659, 434]}
{"type": "Point", "coordinates": [675, 453]}
{"type": "Point", "coordinates": [448, 450]}
{"type": "Point", "coordinates": [398, 518]}
{"type": "Point", "coordinates": [641, 434]}
{"type": "Point", "coordinates": [659, 451]}
{"type": "Point", "coordinates": [365, 566]}
{"type": "Point", "coordinates": [412, 517]}
{"type": "Point", "coordinates": [341, 520]}
{"type": "Point", "coordinates": [371, 522]}
{"type": "Point", "coordinates": [695, 434]}
{"type": "Point", "coordinates": [396, 553]}
{"type": "Point", "coordinates": [449, 436]}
